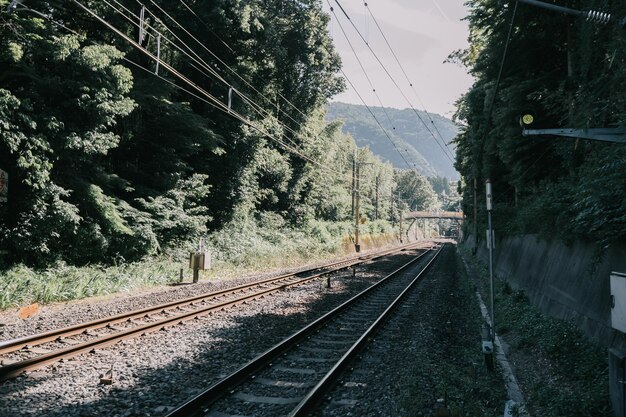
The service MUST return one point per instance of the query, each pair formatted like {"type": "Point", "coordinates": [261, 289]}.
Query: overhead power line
{"type": "Point", "coordinates": [414, 168]}
{"type": "Point", "coordinates": [363, 68]}
{"type": "Point", "coordinates": [393, 80]}
{"type": "Point", "coordinates": [207, 26]}
{"type": "Point", "coordinates": [499, 77]}
{"type": "Point", "coordinates": [363, 101]}
{"type": "Point", "coordinates": [226, 65]}
{"type": "Point", "coordinates": [233, 71]}
{"type": "Point", "coordinates": [404, 72]}
{"type": "Point", "coordinates": [213, 100]}
{"type": "Point", "coordinates": [375, 118]}
{"type": "Point", "coordinates": [379, 100]}
{"type": "Point", "coordinates": [198, 60]}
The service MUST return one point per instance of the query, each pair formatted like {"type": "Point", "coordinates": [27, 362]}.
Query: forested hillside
{"type": "Point", "coordinates": [407, 132]}
{"type": "Point", "coordinates": [566, 72]}
{"type": "Point", "coordinates": [110, 161]}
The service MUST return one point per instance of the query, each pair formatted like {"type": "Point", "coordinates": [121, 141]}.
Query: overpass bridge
{"type": "Point", "coordinates": [420, 221]}
{"type": "Point", "coordinates": [449, 215]}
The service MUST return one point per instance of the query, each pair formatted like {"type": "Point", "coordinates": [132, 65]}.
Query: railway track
{"type": "Point", "coordinates": [36, 351]}
{"type": "Point", "coordinates": [293, 377]}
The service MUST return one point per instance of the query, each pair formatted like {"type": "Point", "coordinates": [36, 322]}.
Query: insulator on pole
{"type": "Point", "coordinates": [141, 29]}
{"type": "Point", "coordinates": [13, 5]}
{"type": "Point", "coordinates": [598, 17]}
{"type": "Point", "coordinates": [156, 71]}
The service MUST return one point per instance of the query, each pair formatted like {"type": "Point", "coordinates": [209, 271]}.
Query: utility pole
{"type": "Point", "coordinates": [475, 216]}
{"type": "Point", "coordinates": [490, 244]}
{"type": "Point", "coordinates": [357, 217]}
{"type": "Point", "coordinates": [354, 178]}
{"type": "Point", "coordinates": [400, 214]}
{"type": "Point", "coordinates": [376, 206]}
{"type": "Point", "coordinates": [400, 218]}
{"type": "Point", "coordinates": [391, 212]}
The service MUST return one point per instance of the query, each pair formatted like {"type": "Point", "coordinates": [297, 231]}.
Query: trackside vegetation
{"type": "Point", "coordinates": [566, 73]}
{"type": "Point", "coordinates": [111, 165]}
{"type": "Point", "coordinates": [237, 249]}
{"type": "Point", "coordinates": [561, 372]}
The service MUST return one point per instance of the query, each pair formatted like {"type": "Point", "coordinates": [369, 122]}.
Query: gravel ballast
{"type": "Point", "coordinates": [426, 358]}
{"type": "Point", "coordinates": [154, 373]}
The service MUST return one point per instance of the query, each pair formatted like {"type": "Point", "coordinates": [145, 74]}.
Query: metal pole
{"type": "Point", "coordinates": [354, 179]}
{"type": "Point", "coordinates": [595, 16]}
{"type": "Point", "coordinates": [490, 245]}
{"type": "Point", "coordinates": [401, 239]}
{"type": "Point", "coordinates": [493, 322]}
{"type": "Point", "coordinates": [475, 216]}
{"type": "Point", "coordinates": [554, 8]}
{"type": "Point", "coordinates": [357, 247]}
{"type": "Point", "coordinates": [376, 207]}
{"type": "Point", "coordinates": [391, 212]}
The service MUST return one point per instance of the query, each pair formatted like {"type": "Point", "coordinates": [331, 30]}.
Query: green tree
{"type": "Point", "coordinates": [60, 103]}
{"type": "Point", "coordinates": [415, 190]}
{"type": "Point", "coordinates": [569, 73]}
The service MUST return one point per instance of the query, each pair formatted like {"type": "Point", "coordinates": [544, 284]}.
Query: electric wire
{"type": "Point", "coordinates": [210, 97]}
{"type": "Point", "coordinates": [493, 97]}
{"type": "Point", "coordinates": [415, 168]}
{"type": "Point", "coordinates": [497, 85]}
{"type": "Point", "coordinates": [45, 16]}
{"type": "Point", "coordinates": [228, 46]}
{"type": "Point", "coordinates": [237, 116]}
{"type": "Point", "coordinates": [374, 90]}
{"type": "Point", "coordinates": [404, 73]}
{"type": "Point", "coordinates": [222, 62]}
{"type": "Point", "coordinates": [384, 109]}
{"type": "Point", "coordinates": [246, 82]}
{"type": "Point", "coordinates": [257, 108]}
{"type": "Point", "coordinates": [499, 77]}
{"type": "Point", "coordinates": [363, 69]}
{"type": "Point", "coordinates": [393, 81]}
{"type": "Point", "coordinates": [214, 103]}
{"type": "Point", "coordinates": [261, 111]}
{"type": "Point", "coordinates": [207, 26]}
{"type": "Point", "coordinates": [375, 118]}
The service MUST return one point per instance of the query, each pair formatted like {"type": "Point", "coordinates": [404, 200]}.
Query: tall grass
{"type": "Point", "coordinates": [239, 248]}
{"type": "Point", "coordinates": [21, 285]}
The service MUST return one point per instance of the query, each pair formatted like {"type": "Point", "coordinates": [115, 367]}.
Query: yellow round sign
{"type": "Point", "coordinates": [527, 119]}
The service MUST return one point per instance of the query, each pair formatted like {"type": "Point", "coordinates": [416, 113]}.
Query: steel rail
{"type": "Point", "coordinates": [14, 369]}
{"type": "Point", "coordinates": [316, 395]}
{"type": "Point", "coordinates": [13, 345]}
{"type": "Point", "coordinates": [197, 404]}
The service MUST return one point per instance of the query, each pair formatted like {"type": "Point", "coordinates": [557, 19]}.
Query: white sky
{"type": "Point", "coordinates": [422, 33]}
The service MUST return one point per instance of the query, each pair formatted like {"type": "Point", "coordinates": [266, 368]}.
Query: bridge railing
{"type": "Point", "coordinates": [455, 215]}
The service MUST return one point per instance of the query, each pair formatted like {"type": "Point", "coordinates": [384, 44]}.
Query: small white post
{"type": "Point", "coordinates": [490, 246]}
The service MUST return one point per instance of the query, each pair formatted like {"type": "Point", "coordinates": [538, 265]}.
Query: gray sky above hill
{"type": "Point", "coordinates": [422, 33]}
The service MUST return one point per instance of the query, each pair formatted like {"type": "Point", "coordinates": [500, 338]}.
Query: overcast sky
{"type": "Point", "coordinates": [422, 33]}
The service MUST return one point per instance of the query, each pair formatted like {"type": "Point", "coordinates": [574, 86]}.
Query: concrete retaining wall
{"type": "Point", "coordinates": [566, 281]}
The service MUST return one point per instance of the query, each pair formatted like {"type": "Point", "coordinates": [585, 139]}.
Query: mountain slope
{"type": "Point", "coordinates": [410, 136]}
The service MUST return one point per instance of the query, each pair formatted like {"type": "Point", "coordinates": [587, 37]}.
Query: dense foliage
{"type": "Point", "coordinates": [568, 73]}
{"type": "Point", "coordinates": [108, 162]}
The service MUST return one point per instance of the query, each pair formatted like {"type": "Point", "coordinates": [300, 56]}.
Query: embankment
{"type": "Point", "coordinates": [568, 281]}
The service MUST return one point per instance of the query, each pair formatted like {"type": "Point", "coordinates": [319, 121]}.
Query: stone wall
{"type": "Point", "coordinates": [571, 282]}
